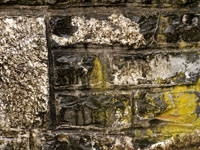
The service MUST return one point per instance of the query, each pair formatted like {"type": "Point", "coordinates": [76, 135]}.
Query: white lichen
{"type": "Point", "coordinates": [116, 29]}
{"type": "Point", "coordinates": [159, 67]}
{"type": "Point", "coordinates": [166, 67]}
{"type": "Point", "coordinates": [121, 118]}
{"type": "Point", "coordinates": [23, 71]}
{"type": "Point", "coordinates": [162, 145]}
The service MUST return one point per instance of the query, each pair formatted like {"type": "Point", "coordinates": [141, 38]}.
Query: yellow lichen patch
{"type": "Point", "coordinates": [127, 112]}
{"type": "Point", "coordinates": [149, 132]}
{"type": "Point", "coordinates": [179, 75]}
{"type": "Point", "coordinates": [182, 44]}
{"type": "Point", "coordinates": [171, 130]}
{"type": "Point", "coordinates": [122, 115]}
{"type": "Point", "coordinates": [160, 80]}
{"type": "Point", "coordinates": [98, 76]}
{"type": "Point", "coordinates": [182, 114]}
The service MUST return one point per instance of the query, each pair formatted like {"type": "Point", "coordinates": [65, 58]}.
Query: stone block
{"type": "Point", "coordinates": [103, 71]}
{"type": "Point", "coordinates": [24, 72]}
{"type": "Point", "coordinates": [178, 105]}
{"type": "Point", "coordinates": [88, 141]}
{"type": "Point", "coordinates": [73, 69]}
{"type": "Point", "coordinates": [14, 139]}
{"type": "Point", "coordinates": [180, 30]}
{"type": "Point", "coordinates": [97, 109]}
{"type": "Point", "coordinates": [167, 115]}
{"type": "Point", "coordinates": [103, 30]}
{"type": "Point", "coordinates": [158, 30]}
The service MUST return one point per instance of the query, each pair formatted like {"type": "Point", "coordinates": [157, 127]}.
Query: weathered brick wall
{"type": "Point", "coordinates": [99, 75]}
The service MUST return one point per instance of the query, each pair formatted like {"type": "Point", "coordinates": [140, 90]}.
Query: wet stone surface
{"type": "Point", "coordinates": [184, 27]}
{"type": "Point", "coordinates": [103, 71]}
{"type": "Point", "coordinates": [98, 109]}
{"type": "Point", "coordinates": [73, 69]}
{"type": "Point", "coordinates": [121, 79]}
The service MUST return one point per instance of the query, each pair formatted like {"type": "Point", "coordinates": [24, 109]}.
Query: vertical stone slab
{"type": "Point", "coordinates": [23, 72]}
{"type": "Point", "coordinates": [14, 139]}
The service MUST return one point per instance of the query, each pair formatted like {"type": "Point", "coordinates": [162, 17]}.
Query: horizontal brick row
{"type": "Point", "coordinates": [106, 70]}
{"type": "Point", "coordinates": [156, 30]}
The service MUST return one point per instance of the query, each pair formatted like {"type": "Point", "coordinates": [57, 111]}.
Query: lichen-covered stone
{"type": "Point", "coordinates": [155, 69]}
{"type": "Point", "coordinates": [73, 69]}
{"type": "Point", "coordinates": [98, 109]}
{"type": "Point", "coordinates": [29, 2]}
{"type": "Point", "coordinates": [169, 105]}
{"type": "Point", "coordinates": [83, 70]}
{"type": "Point", "coordinates": [115, 29]}
{"type": "Point", "coordinates": [180, 30]}
{"type": "Point", "coordinates": [108, 92]}
{"type": "Point", "coordinates": [92, 79]}
{"type": "Point", "coordinates": [142, 2]}
{"type": "Point", "coordinates": [14, 139]}
{"type": "Point", "coordinates": [158, 30]}
{"type": "Point", "coordinates": [165, 114]}
{"type": "Point", "coordinates": [23, 72]}
{"type": "Point", "coordinates": [88, 141]}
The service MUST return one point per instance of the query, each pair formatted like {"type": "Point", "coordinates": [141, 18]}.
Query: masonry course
{"type": "Point", "coordinates": [104, 75]}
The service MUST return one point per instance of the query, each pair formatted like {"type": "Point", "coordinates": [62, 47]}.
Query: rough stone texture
{"type": "Point", "coordinates": [150, 92]}
{"type": "Point", "coordinates": [23, 75]}
{"type": "Point", "coordinates": [156, 29]}
{"type": "Point", "coordinates": [118, 29]}
{"type": "Point", "coordinates": [103, 30]}
{"type": "Point", "coordinates": [79, 70]}
{"type": "Point", "coordinates": [29, 2]}
{"type": "Point", "coordinates": [14, 139]}
{"type": "Point", "coordinates": [143, 2]}
{"type": "Point", "coordinates": [123, 77]}
{"type": "Point", "coordinates": [87, 141]}
{"type": "Point", "coordinates": [180, 28]}
{"type": "Point", "coordinates": [99, 109]}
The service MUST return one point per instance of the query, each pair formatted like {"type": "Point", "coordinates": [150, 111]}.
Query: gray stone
{"type": "Point", "coordinates": [97, 109]}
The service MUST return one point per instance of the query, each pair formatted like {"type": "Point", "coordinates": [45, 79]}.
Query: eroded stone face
{"type": "Point", "coordinates": [155, 69]}
{"type": "Point", "coordinates": [88, 141]}
{"type": "Point", "coordinates": [86, 69]}
{"type": "Point", "coordinates": [23, 72]}
{"type": "Point", "coordinates": [97, 109]}
{"type": "Point", "coordinates": [115, 29]}
{"type": "Point", "coordinates": [14, 139]}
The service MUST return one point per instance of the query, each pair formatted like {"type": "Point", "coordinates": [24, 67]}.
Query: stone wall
{"type": "Point", "coordinates": [99, 75]}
